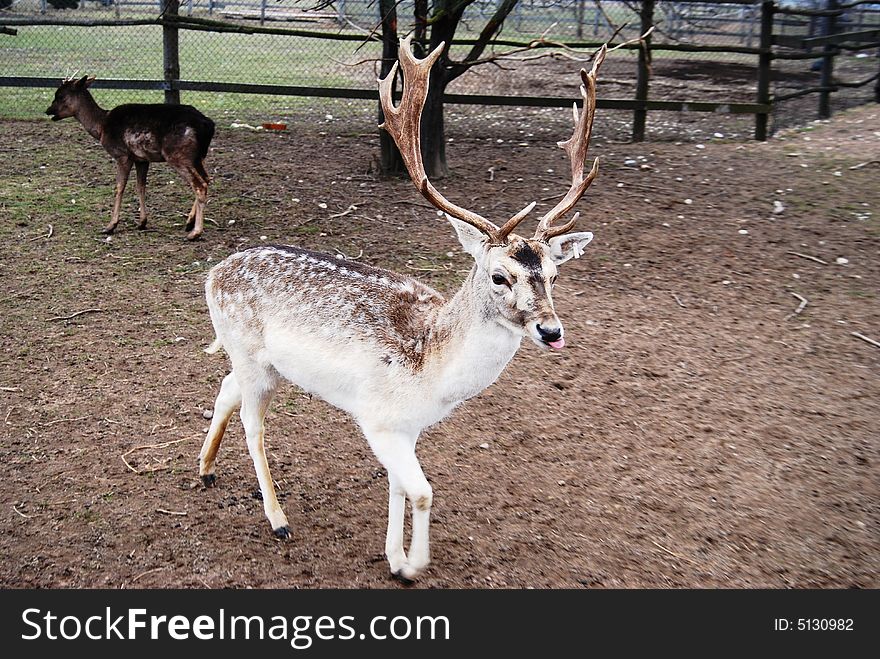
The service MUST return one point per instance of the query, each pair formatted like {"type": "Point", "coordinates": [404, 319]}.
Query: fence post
{"type": "Point", "coordinates": [828, 52]}
{"type": "Point", "coordinates": [171, 51]}
{"type": "Point", "coordinates": [640, 116]}
{"type": "Point", "coordinates": [765, 59]}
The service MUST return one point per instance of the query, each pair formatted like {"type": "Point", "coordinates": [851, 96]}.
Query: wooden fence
{"type": "Point", "coordinates": [833, 40]}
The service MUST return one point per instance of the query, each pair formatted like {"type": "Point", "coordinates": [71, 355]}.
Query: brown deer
{"type": "Point", "coordinates": [137, 134]}
{"type": "Point", "coordinates": [385, 348]}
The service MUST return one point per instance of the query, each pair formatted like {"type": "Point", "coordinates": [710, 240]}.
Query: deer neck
{"type": "Point", "coordinates": [477, 345]}
{"type": "Point", "coordinates": [91, 116]}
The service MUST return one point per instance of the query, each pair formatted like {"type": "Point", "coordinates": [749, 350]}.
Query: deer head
{"type": "Point", "coordinates": [518, 272]}
{"type": "Point", "coordinates": [68, 97]}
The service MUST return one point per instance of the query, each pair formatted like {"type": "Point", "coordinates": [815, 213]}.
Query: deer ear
{"type": "Point", "coordinates": [472, 239]}
{"type": "Point", "coordinates": [84, 82]}
{"type": "Point", "coordinates": [569, 245]}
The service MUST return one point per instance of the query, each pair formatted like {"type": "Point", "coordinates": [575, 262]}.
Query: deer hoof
{"type": "Point", "coordinates": [108, 230]}
{"type": "Point", "coordinates": [193, 235]}
{"type": "Point", "coordinates": [209, 480]}
{"type": "Point", "coordinates": [401, 578]}
{"type": "Point", "coordinates": [282, 533]}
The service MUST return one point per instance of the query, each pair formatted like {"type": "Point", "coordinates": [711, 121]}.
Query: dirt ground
{"type": "Point", "coordinates": [702, 428]}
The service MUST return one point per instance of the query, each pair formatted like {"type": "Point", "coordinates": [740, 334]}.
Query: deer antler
{"type": "Point", "coordinates": [403, 124]}
{"type": "Point", "coordinates": [576, 148]}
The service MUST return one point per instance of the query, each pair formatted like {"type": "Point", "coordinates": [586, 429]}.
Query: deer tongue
{"type": "Point", "coordinates": [557, 345]}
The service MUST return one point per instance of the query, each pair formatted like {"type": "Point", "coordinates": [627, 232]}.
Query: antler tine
{"type": "Point", "coordinates": [403, 124]}
{"type": "Point", "coordinates": [513, 222]}
{"type": "Point", "coordinates": [576, 148]}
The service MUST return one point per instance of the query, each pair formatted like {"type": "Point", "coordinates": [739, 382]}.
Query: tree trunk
{"type": "Point", "coordinates": [433, 133]}
{"type": "Point", "coordinates": [390, 162]}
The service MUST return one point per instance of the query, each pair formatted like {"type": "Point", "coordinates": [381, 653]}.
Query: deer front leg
{"type": "Point", "coordinates": [253, 410]}
{"type": "Point", "coordinates": [394, 536]}
{"type": "Point", "coordinates": [396, 452]}
{"type": "Point", "coordinates": [142, 167]}
{"type": "Point", "coordinates": [123, 169]}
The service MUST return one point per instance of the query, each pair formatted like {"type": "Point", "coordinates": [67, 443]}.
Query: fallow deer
{"type": "Point", "coordinates": [393, 353]}
{"type": "Point", "coordinates": [137, 134]}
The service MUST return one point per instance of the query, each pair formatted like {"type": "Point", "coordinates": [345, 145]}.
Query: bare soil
{"type": "Point", "coordinates": [697, 430]}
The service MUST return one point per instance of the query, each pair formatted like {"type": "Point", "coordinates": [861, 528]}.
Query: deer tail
{"type": "Point", "coordinates": [214, 347]}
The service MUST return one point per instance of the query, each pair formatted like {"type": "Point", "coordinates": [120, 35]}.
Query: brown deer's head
{"type": "Point", "coordinates": [68, 97]}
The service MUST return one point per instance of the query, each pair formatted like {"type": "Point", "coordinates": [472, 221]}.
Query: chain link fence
{"type": "Point", "coordinates": [701, 52]}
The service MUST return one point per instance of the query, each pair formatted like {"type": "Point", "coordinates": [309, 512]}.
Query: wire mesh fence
{"type": "Point", "coordinates": [701, 52]}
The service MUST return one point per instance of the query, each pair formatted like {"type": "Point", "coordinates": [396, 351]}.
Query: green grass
{"type": "Point", "coordinates": [58, 51]}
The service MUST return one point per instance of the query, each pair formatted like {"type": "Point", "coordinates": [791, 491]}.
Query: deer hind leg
{"type": "Point", "coordinates": [142, 167]}
{"type": "Point", "coordinates": [228, 400]}
{"type": "Point", "coordinates": [123, 169]}
{"type": "Point", "coordinates": [195, 222]}
{"type": "Point", "coordinates": [194, 174]}
{"type": "Point", "coordinates": [254, 403]}
{"type": "Point", "coordinates": [396, 452]}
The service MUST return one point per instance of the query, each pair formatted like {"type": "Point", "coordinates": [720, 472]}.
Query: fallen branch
{"type": "Point", "coordinates": [52, 423]}
{"type": "Point", "coordinates": [671, 553]}
{"type": "Point", "coordinates": [352, 207]}
{"type": "Point", "coordinates": [866, 339]}
{"type": "Point", "coordinates": [148, 446]}
{"type": "Point", "coordinates": [11, 389]}
{"type": "Point", "coordinates": [807, 256]}
{"type": "Point", "coordinates": [74, 315]}
{"type": "Point", "coordinates": [58, 503]}
{"type": "Point", "coordinates": [801, 306]}
{"type": "Point", "coordinates": [46, 237]}
{"type": "Point", "coordinates": [865, 164]}
{"type": "Point", "coordinates": [143, 574]}
{"type": "Point", "coordinates": [170, 512]}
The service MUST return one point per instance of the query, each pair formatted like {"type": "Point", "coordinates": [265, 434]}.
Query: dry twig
{"type": "Point", "coordinates": [671, 553]}
{"type": "Point", "coordinates": [679, 302]}
{"type": "Point", "coordinates": [21, 513]}
{"type": "Point", "coordinates": [148, 446]}
{"type": "Point", "coordinates": [143, 574]}
{"type": "Point", "coordinates": [74, 315]}
{"type": "Point", "coordinates": [801, 306]}
{"type": "Point", "coordinates": [171, 512]}
{"type": "Point", "coordinates": [46, 237]}
{"type": "Point", "coordinates": [52, 423]}
{"type": "Point", "coordinates": [865, 164]}
{"type": "Point", "coordinates": [807, 256]}
{"type": "Point", "coordinates": [866, 339]}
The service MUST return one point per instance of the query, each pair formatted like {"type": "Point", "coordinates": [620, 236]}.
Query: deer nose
{"type": "Point", "coordinates": [549, 334]}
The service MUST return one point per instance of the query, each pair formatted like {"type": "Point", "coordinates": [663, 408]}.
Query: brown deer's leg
{"type": "Point", "coordinates": [123, 169]}
{"type": "Point", "coordinates": [197, 221]}
{"type": "Point", "coordinates": [199, 183]}
{"type": "Point", "coordinates": [142, 167]}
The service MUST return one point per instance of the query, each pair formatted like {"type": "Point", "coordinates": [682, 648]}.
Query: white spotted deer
{"type": "Point", "coordinates": [393, 353]}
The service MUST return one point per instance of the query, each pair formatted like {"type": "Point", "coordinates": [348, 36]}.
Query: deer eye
{"type": "Point", "coordinates": [499, 280]}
